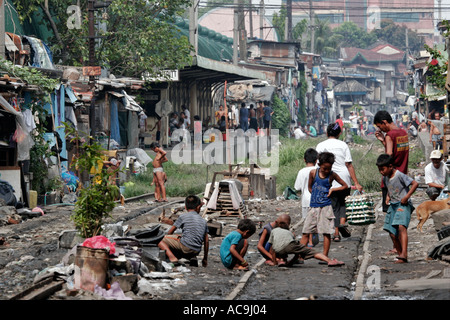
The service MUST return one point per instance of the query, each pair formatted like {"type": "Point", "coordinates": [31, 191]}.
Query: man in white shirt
{"type": "Point", "coordinates": [187, 120]}
{"type": "Point", "coordinates": [435, 175]}
{"type": "Point", "coordinates": [299, 134]}
{"type": "Point", "coordinates": [354, 120]}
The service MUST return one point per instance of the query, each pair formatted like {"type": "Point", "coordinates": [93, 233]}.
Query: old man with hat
{"type": "Point", "coordinates": [436, 175]}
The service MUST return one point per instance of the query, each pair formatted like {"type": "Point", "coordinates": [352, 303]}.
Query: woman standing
{"type": "Point", "coordinates": [344, 168]}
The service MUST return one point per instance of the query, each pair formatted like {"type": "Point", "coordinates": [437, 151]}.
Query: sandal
{"type": "Point", "coordinates": [241, 268]}
{"type": "Point", "coordinates": [337, 238]}
{"type": "Point", "coordinates": [175, 263]}
{"type": "Point", "coordinates": [269, 263]}
{"type": "Point", "coordinates": [335, 263]}
{"type": "Point", "coordinates": [315, 239]}
{"type": "Point", "coordinates": [344, 231]}
{"type": "Point", "coordinates": [401, 260]}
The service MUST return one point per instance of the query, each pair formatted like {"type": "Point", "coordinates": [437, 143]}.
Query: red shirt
{"type": "Point", "coordinates": [341, 123]}
{"type": "Point", "coordinates": [400, 151]}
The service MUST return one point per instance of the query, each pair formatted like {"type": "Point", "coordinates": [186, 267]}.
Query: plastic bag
{"type": "Point", "coordinates": [140, 155]}
{"type": "Point", "coordinates": [290, 194]}
{"type": "Point", "coordinates": [100, 242]}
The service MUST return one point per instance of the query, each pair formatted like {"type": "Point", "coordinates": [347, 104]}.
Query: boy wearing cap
{"type": "Point", "coordinates": [435, 175]}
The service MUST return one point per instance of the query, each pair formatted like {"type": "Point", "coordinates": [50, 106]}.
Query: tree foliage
{"type": "Point", "coordinates": [396, 35]}
{"type": "Point", "coordinates": [351, 35]}
{"type": "Point", "coordinates": [134, 35]}
{"type": "Point", "coordinates": [95, 201]}
{"type": "Point", "coordinates": [281, 116]}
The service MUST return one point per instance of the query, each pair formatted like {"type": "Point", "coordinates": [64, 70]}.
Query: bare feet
{"type": "Point", "coordinates": [241, 268]}
{"type": "Point", "coordinates": [392, 251]}
{"type": "Point", "coordinates": [335, 263]}
{"type": "Point", "coordinates": [269, 263]}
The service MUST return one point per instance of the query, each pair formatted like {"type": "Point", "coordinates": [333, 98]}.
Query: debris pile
{"type": "Point", "coordinates": [125, 264]}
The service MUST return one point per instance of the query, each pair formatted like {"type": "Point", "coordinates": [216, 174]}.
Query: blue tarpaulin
{"type": "Point", "coordinates": [115, 129]}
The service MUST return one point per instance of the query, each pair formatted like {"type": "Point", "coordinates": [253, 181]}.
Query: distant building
{"type": "Point", "coordinates": [416, 15]}
{"type": "Point", "coordinates": [221, 20]}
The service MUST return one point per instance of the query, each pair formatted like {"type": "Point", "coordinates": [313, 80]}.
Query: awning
{"type": "Point", "coordinates": [130, 104]}
{"type": "Point", "coordinates": [217, 71]}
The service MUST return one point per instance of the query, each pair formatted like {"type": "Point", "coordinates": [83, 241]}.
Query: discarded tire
{"type": "Point", "coordinates": [444, 232]}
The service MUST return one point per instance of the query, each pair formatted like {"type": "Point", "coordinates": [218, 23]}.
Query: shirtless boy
{"type": "Point", "coordinates": [435, 134]}
{"type": "Point", "coordinates": [159, 176]}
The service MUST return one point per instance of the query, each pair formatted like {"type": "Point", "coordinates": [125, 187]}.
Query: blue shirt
{"type": "Point", "coordinates": [225, 255]}
{"type": "Point", "coordinates": [267, 113]}
{"type": "Point", "coordinates": [319, 192]}
{"type": "Point", "coordinates": [243, 114]}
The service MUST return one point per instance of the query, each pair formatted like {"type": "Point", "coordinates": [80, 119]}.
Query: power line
{"type": "Point", "coordinates": [393, 15]}
{"type": "Point", "coordinates": [405, 7]}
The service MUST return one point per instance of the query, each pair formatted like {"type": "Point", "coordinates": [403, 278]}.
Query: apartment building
{"type": "Point", "coordinates": [416, 15]}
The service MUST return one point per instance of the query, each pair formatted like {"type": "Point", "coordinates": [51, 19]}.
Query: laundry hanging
{"type": "Point", "coordinates": [115, 129]}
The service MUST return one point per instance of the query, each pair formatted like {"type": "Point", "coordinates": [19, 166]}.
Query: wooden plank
{"type": "Point", "coordinates": [422, 284]}
{"type": "Point", "coordinates": [446, 273]}
{"type": "Point", "coordinates": [40, 290]}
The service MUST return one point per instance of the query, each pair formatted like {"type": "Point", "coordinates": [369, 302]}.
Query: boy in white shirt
{"type": "Point", "coordinates": [301, 184]}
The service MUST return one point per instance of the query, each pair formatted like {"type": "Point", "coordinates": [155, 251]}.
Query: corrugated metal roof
{"type": "Point", "coordinates": [350, 87]}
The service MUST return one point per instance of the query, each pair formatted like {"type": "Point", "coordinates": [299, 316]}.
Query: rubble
{"type": "Point", "coordinates": [138, 269]}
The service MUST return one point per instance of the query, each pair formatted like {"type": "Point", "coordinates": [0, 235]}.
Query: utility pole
{"type": "Point", "coordinates": [2, 29]}
{"type": "Point", "coordinates": [193, 25]}
{"type": "Point", "coordinates": [250, 16]}
{"type": "Point", "coordinates": [288, 36]}
{"type": "Point", "coordinates": [406, 43]}
{"type": "Point", "coordinates": [261, 20]}
{"type": "Point", "coordinates": [311, 25]}
{"type": "Point", "coordinates": [93, 70]}
{"type": "Point", "coordinates": [91, 30]}
{"type": "Point", "coordinates": [235, 34]}
{"type": "Point", "coordinates": [439, 10]}
{"type": "Point", "coordinates": [242, 32]}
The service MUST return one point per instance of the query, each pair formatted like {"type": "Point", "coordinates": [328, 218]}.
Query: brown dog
{"type": "Point", "coordinates": [425, 209]}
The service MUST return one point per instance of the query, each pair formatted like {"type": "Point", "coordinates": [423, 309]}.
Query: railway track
{"type": "Point", "coordinates": [48, 286]}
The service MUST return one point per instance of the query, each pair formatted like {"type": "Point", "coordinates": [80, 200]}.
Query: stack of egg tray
{"type": "Point", "coordinates": [360, 209]}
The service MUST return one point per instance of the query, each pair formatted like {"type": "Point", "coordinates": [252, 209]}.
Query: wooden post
{"type": "Point", "coordinates": [2, 29]}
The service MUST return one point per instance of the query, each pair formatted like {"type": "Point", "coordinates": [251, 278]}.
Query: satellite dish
{"type": "Point", "coordinates": [163, 108]}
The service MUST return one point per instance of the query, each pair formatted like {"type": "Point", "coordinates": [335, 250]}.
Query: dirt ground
{"type": "Point", "coordinates": [32, 246]}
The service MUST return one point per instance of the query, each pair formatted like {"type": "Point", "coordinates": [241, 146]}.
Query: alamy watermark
{"type": "Point", "coordinates": [235, 147]}
{"type": "Point", "coordinates": [374, 279]}
{"type": "Point", "coordinates": [373, 18]}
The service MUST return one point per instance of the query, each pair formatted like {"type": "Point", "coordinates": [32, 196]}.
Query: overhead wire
{"type": "Point", "coordinates": [427, 11]}
{"type": "Point", "coordinates": [406, 7]}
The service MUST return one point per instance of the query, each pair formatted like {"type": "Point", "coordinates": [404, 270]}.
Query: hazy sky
{"type": "Point", "coordinates": [445, 5]}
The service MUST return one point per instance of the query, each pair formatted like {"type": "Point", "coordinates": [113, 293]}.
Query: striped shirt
{"type": "Point", "coordinates": [194, 229]}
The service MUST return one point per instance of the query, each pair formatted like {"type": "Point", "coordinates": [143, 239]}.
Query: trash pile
{"type": "Point", "coordinates": [11, 215]}
{"type": "Point", "coordinates": [441, 249]}
{"type": "Point", "coordinates": [120, 264]}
